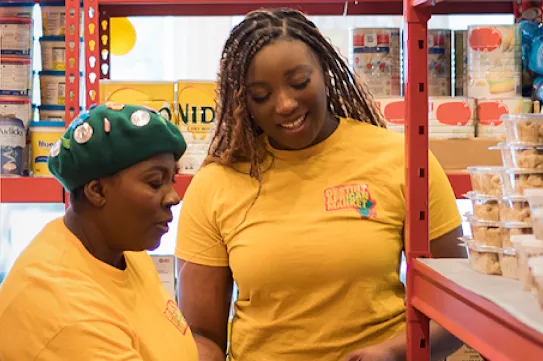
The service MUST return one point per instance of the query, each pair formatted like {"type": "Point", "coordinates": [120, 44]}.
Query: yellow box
{"type": "Point", "coordinates": [195, 113]}
{"type": "Point", "coordinates": [43, 135]}
{"type": "Point", "coordinates": [157, 95]}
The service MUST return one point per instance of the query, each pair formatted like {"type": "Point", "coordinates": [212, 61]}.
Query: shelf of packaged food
{"type": "Point", "coordinates": [492, 314]}
{"type": "Point", "coordinates": [114, 8]}
{"type": "Point", "coordinates": [30, 190]}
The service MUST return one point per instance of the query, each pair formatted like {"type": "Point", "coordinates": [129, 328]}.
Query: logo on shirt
{"type": "Point", "coordinates": [350, 196]}
{"type": "Point", "coordinates": [173, 315]}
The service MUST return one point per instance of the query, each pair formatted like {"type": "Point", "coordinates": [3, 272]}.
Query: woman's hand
{"type": "Point", "coordinates": [373, 353]}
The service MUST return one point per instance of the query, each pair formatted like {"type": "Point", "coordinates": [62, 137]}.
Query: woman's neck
{"type": "Point", "coordinates": [89, 234]}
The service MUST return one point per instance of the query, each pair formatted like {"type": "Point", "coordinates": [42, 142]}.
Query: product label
{"type": "Point", "coordinates": [12, 142]}
{"type": "Point", "coordinates": [14, 79]}
{"type": "Point", "coordinates": [16, 39]}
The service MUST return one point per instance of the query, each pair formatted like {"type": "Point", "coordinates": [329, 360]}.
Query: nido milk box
{"type": "Point", "coordinates": [159, 96]}
{"type": "Point", "coordinates": [196, 109]}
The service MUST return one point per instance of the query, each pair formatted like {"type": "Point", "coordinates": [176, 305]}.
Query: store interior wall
{"type": "Point", "coordinates": [188, 48]}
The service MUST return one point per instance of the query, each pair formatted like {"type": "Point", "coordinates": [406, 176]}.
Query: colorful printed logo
{"type": "Point", "coordinates": [350, 196]}
{"type": "Point", "coordinates": [173, 315]}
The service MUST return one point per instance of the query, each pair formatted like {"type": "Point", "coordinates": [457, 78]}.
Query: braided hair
{"type": "Point", "coordinates": [237, 138]}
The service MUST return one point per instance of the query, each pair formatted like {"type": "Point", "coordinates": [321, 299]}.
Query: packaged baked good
{"type": "Point", "coordinates": [485, 233]}
{"type": "Point", "coordinates": [514, 209]}
{"type": "Point", "coordinates": [526, 247]}
{"type": "Point", "coordinates": [512, 229]}
{"type": "Point", "coordinates": [535, 266]}
{"type": "Point", "coordinates": [516, 181]}
{"type": "Point", "coordinates": [523, 128]}
{"type": "Point", "coordinates": [509, 263]}
{"type": "Point", "coordinates": [535, 200]}
{"type": "Point", "coordinates": [520, 156]}
{"type": "Point", "coordinates": [485, 208]}
{"type": "Point", "coordinates": [487, 181]}
{"type": "Point", "coordinates": [484, 259]}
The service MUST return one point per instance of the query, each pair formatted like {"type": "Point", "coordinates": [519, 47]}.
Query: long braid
{"type": "Point", "coordinates": [236, 137]}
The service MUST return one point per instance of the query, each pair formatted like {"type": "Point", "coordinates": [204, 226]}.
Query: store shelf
{"type": "Point", "coordinates": [460, 182]}
{"type": "Point", "coordinates": [49, 190]}
{"type": "Point", "coordinates": [115, 8]}
{"type": "Point", "coordinates": [182, 182]}
{"type": "Point", "coordinates": [30, 190]}
{"type": "Point", "coordinates": [508, 328]}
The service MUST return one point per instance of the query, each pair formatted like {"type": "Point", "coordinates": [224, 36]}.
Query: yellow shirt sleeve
{"type": "Point", "coordinates": [444, 215]}
{"type": "Point", "coordinates": [198, 236]}
{"type": "Point", "coordinates": [90, 341]}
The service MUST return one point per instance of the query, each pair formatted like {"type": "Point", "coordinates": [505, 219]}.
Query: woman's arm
{"type": "Point", "coordinates": [205, 294]}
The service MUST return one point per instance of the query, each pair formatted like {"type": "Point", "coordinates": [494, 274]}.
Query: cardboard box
{"type": "Point", "coordinates": [466, 353]}
{"type": "Point", "coordinates": [458, 154]}
{"type": "Point", "coordinates": [165, 266]}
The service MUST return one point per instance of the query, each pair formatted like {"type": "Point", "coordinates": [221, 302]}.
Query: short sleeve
{"type": "Point", "coordinates": [90, 341]}
{"type": "Point", "coordinates": [198, 236]}
{"type": "Point", "coordinates": [444, 216]}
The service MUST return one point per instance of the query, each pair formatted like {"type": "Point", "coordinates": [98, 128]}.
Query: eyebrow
{"type": "Point", "coordinates": [289, 72]}
{"type": "Point", "coordinates": [161, 168]}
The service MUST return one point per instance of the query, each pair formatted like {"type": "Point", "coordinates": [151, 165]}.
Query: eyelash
{"type": "Point", "coordinates": [295, 86]}
{"type": "Point", "coordinates": [160, 184]}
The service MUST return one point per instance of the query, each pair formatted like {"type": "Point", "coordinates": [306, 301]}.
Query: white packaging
{"type": "Point", "coordinates": [17, 107]}
{"type": "Point", "coordinates": [439, 62]}
{"type": "Point", "coordinates": [15, 77]}
{"type": "Point", "coordinates": [53, 87]}
{"type": "Point", "coordinates": [16, 37]}
{"type": "Point", "coordinates": [53, 53]}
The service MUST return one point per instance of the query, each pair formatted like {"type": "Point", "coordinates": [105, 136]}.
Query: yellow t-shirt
{"type": "Point", "coordinates": [317, 257]}
{"type": "Point", "coordinates": [60, 303]}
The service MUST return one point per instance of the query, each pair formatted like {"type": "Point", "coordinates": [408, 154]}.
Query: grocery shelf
{"type": "Point", "coordinates": [49, 190]}
{"type": "Point", "coordinates": [449, 292]}
{"type": "Point", "coordinates": [460, 182]}
{"type": "Point", "coordinates": [30, 190]}
{"type": "Point", "coordinates": [114, 8]}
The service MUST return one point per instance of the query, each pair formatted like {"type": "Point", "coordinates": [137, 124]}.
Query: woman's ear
{"type": "Point", "coordinates": [94, 191]}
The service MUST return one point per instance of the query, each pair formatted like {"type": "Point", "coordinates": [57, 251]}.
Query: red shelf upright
{"type": "Point", "coordinates": [416, 173]}
{"type": "Point", "coordinates": [73, 76]}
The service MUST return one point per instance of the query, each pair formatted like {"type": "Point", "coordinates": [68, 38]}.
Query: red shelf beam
{"type": "Point", "coordinates": [117, 8]}
{"type": "Point", "coordinates": [30, 190]}
{"type": "Point", "coordinates": [49, 190]}
{"type": "Point", "coordinates": [460, 182]}
{"type": "Point", "coordinates": [478, 322]}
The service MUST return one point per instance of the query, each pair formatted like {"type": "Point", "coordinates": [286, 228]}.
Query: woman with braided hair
{"type": "Point", "coordinates": [301, 203]}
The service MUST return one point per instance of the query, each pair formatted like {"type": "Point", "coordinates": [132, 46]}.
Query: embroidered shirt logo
{"type": "Point", "coordinates": [350, 196]}
{"type": "Point", "coordinates": [173, 315]}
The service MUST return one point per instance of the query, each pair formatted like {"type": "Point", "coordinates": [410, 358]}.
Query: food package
{"type": "Point", "coordinates": [514, 209]}
{"type": "Point", "coordinates": [487, 181]}
{"type": "Point", "coordinates": [521, 157]}
{"type": "Point", "coordinates": [516, 181]}
{"type": "Point", "coordinates": [523, 128]}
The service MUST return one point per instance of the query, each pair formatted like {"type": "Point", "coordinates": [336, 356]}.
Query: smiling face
{"type": "Point", "coordinates": [286, 95]}
{"type": "Point", "coordinates": [137, 204]}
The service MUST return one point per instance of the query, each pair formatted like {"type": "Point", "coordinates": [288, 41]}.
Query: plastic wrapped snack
{"type": "Point", "coordinates": [487, 181]}
{"type": "Point", "coordinates": [535, 266]}
{"type": "Point", "coordinates": [523, 128]}
{"type": "Point", "coordinates": [535, 200]}
{"type": "Point", "coordinates": [484, 208]}
{"type": "Point", "coordinates": [512, 229]}
{"type": "Point", "coordinates": [521, 156]}
{"type": "Point", "coordinates": [514, 209]}
{"type": "Point", "coordinates": [485, 233]}
{"type": "Point", "coordinates": [526, 248]}
{"type": "Point", "coordinates": [484, 259]}
{"type": "Point", "coordinates": [515, 182]}
{"type": "Point", "coordinates": [509, 263]}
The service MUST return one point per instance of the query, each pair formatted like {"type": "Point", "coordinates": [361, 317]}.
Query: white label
{"type": "Point", "coordinates": [14, 77]}
{"type": "Point", "coordinates": [15, 39]}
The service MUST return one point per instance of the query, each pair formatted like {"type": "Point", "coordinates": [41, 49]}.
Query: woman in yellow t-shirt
{"type": "Point", "coordinates": [301, 202]}
{"type": "Point", "coordinates": [85, 289]}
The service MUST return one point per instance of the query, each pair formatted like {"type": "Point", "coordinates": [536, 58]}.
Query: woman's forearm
{"type": "Point", "coordinates": [208, 350]}
{"type": "Point", "coordinates": [443, 344]}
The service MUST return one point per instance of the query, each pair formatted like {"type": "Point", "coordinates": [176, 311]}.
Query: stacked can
{"type": "Point", "coordinates": [377, 59]}
{"type": "Point", "coordinates": [460, 63]}
{"type": "Point", "coordinates": [439, 62]}
{"type": "Point", "coordinates": [494, 61]}
{"type": "Point", "coordinates": [16, 28]}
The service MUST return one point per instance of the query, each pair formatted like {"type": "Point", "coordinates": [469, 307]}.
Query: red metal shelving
{"type": "Point", "coordinates": [30, 190]}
